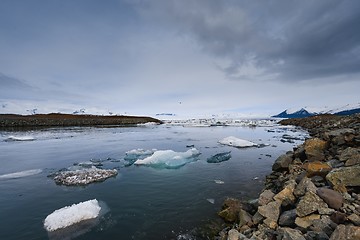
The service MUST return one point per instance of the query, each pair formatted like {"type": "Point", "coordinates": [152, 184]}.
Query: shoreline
{"type": "Point", "coordinates": [313, 191]}
{"type": "Point", "coordinates": [9, 121]}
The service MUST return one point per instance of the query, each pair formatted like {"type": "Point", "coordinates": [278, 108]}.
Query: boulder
{"type": "Point", "coordinates": [282, 163]}
{"type": "Point", "coordinates": [290, 234]}
{"type": "Point", "coordinates": [244, 218]}
{"type": "Point", "coordinates": [351, 156]}
{"type": "Point", "coordinates": [286, 195]}
{"type": "Point", "coordinates": [316, 169]}
{"type": "Point", "coordinates": [355, 219]}
{"type": "Point", "coordinates": [230, 210]}
{"type": "Point", "coordinates": [265, 197]}
{"type": "Point", "coordinates": [346, 232]}
{"type": "Point", "coordinates": [271, 212]}
{"type": "Point", "coordinates": [324, 224]}
{"type": "Point", "coordinates": [305, 185]}
{"type": "Point", "coordinates": [287, 218]}
{"type": "Point", "coordinates": [347, 176]}
{"type": "Point", "coordinates": [309, 203]}
{"type": "Point", "coordinates": [307, 221]}
{"type": "Point", "coordinates": [333, 199]}
{"type": "Point", "coordinates": [233, 234]}
{"type": "Point", "coordinates": [314, 149]}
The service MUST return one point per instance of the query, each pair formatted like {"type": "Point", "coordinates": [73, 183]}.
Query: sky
{"type": "Point", "coordinates": [144, 57]}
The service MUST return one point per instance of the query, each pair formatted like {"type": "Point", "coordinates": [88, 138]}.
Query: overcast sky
{"type": "Point", "coordinates": [184, 57]}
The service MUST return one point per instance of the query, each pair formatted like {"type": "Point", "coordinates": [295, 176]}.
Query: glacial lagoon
{"type": "Point", "coordinates": [143, 201]}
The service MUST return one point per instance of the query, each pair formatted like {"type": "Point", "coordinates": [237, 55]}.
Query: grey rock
{"type": "Point", "coordinates": [324, 224]}
{"type": "Point", "coordinates": [233, 234]}
{"type": "Point", "coordinates": [271, 212]}
{"type": "Point", "coordinates": [310, 203]}
{"type": "Point", "coordinates": [305, 185]}
{"type": "Point", "coordinates": [307, 221]}
{"type": "Point", "coordinates": [287, 218]}
{"type": "Point", "coordinates": [311, 235]}
{"type": "Point", "coordinates": [346, 232]}
{"type": "Point", "coordinates": [265, 197]}
{"type": "Point", "coordinates": [244, 218]}
{"type": "Point", "coordinates": [290, 234]}
{"type": "Point", "coordinates": [354, 218]}
{"type": "Point", "coordinates": [257, 218]}
{"type": "Point", "coordinates": [351, 156]}
{"type": "Point", "coordinates": [347, 176]}
{"type": "Point", "coordinates": [282, 162]}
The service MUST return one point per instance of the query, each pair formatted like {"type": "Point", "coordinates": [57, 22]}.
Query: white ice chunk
{"type": "Point", "coordinates": [217, 181]}
{"type": "Point", "coordinates": [237, 142]}
{"type": "Point", "coordinates": [21, 174]}
{"type": "Point", "coordinates": [211, 200]}
{"type": "Point", "coordinates": [69, 215]}
{"type": "Point", "coordinates": [169, 158]}
{"type": "Point", "coordinates": [20, 138]}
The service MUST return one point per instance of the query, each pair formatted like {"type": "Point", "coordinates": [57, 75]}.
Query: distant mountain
{"type": "Point", "coordinates": [311, 111]}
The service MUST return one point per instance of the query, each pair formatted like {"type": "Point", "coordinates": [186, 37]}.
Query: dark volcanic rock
{"type": "Point", "coordinates": [282, 162]}
{"type": "Point", "coordinates": [287, 218]}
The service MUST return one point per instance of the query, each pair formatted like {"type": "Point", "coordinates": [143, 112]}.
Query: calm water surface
{"type": "Point", "coordinates": [143, 202]}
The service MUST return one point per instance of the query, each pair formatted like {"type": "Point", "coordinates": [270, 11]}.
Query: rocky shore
{"type": "Point", "coordinates": [313, 191]}
{"type": "Point", "coordinates": [57, 119]}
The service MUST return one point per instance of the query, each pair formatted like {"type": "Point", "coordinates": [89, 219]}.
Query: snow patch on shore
{"type": "Point", "coordinates": [69, 215]}
{"type": "Point", "coordinates": [20, 138]}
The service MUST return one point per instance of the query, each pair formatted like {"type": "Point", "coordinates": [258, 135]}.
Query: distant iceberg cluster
{"type": "Point", "coordinates": [169, 158]}
{"type": "Point", "coordinates": [83, 176]}
{"type": "Point", "coordinates": [237, 142]}
{"type": "Point", "coordinates": [216, 122]}
{"type": "Point", "coordinates": [69, 215]}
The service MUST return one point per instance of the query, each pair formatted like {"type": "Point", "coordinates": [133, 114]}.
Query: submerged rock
{"type": "Point", "coordinates": [84, 176]}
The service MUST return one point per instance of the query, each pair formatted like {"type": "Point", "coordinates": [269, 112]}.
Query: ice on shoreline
{"type": "Point", "coordinates": [83, 176]}
{"type": "Point", "coordinates": [21, 174]}
{"type": "Point", "coordinates": [69, 215]}
{"type": "Point", "coordinates": [237, 142]}
{"type": "Point", "coordinates": [169, 158]}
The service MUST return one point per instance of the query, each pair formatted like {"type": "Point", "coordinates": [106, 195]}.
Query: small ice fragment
{"type": "Point", "coordinates": [220, 157]}
{"type": "Point", "coordinates": [211, 200]}
{"type": "Point", "coordinates": [256, 178]}
{"type": "Point", "coordinates": [237, 142]}
{"type": "Point", "coordinates": [69, 215]}
{"type": "Point", "coordinates": [218, 181]}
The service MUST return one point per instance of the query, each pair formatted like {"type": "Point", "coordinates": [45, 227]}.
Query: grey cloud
{"type": "Point", "coordinates": [290, 40]}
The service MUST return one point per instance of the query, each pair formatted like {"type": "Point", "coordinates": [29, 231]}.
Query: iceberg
{"type": "Point", "coordinates": [83, 176]}
{"type": "Point", "coordinates": [220, 157]}
{"type": "Point", "coordinates": [21, 174]}
{"type": "Point", "coordinates": [169, 158]}
{"type": "Point", "coordinates": [237, 142]}
{"type": "Point", "coordinates": [69, 215]}
{"type": "Point", "coordinates": [136, 154]}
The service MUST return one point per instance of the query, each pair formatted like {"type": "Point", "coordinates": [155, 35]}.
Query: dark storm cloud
{"type": "Point", "coordinates": [290, 40]}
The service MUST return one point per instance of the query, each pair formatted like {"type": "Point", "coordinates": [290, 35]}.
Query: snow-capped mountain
{"type": "Point", "coordinates": [311, 111]}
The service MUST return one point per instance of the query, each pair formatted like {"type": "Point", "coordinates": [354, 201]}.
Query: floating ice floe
{"type": "Point", "coordinates": [237, 142]}
{"type": "Point", "coordinates": [220, 157]}
{"type": "Point", "coordinates": [211, 200]}
{"type": "Point", "coordinates": [169, 158]}
{"type": "Point", "coordinates": [20, 138]}
{"type": "Point", "coordinates": [69, 215]}
{"type": "Point", "coordinates": [136, 154]}
{"type": "Point", "coordinates": [21, 174]}
{"type": "Point", "coordinates": [83, 176]}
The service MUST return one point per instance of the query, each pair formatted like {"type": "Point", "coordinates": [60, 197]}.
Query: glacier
{"type": "Point", "coordinates": [169, 158]}
{"type": "Point", "coordinates": [237, 142]}
{"type": "Point", "coordinates": [69, 215]}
